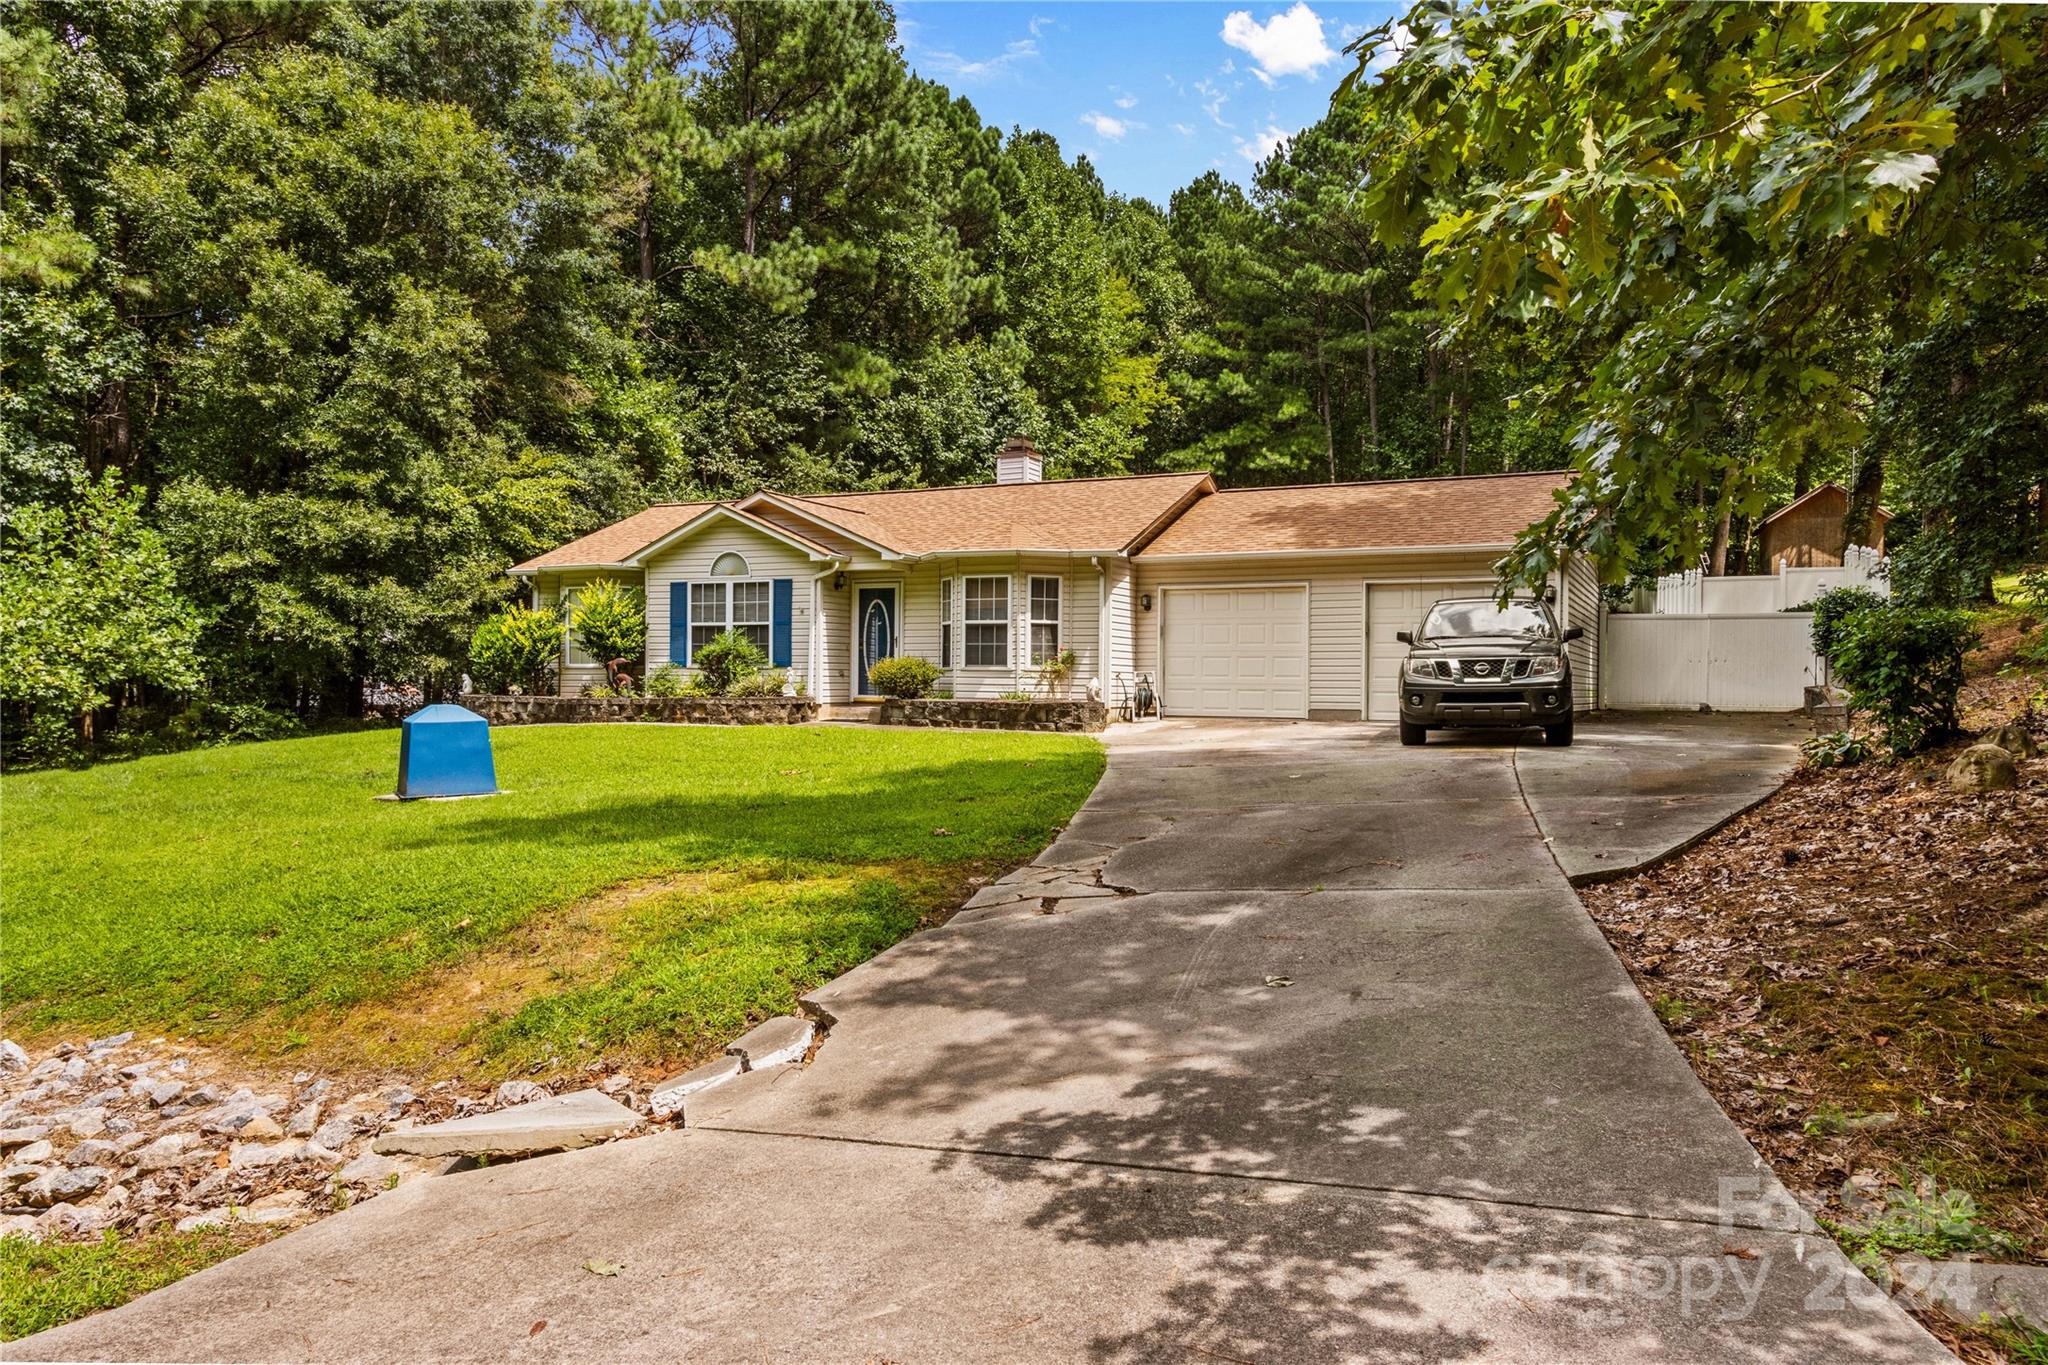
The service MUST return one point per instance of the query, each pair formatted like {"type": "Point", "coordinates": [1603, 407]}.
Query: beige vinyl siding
{"type": "Point", "coordinates": [690, 560]}
{"type": "Point", "coordinates": [1336, 607]}
{"type": "Point", "coordinates": [918, 620]}
{"type": "Point", "coordinates": [835, 639]}
{"type": "Point", "coordinates": [578, 670]}
{"type": "Point", "coordinates": [1119, 608]}
{"type": "Point", "coordinates": [1583, 608]}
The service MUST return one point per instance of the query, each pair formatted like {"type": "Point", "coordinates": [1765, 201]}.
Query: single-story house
{"type": "Point", "coordinates": [1259, 602]}
{"type": "Point", "coordinates": [1808, 532]}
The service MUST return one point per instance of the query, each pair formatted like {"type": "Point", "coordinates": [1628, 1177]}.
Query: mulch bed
{"type": "Point", "coordinates": [1858, 971]}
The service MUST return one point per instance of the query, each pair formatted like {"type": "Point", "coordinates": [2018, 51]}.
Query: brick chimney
{"type": "Point", "coordinates": [1019, 462]}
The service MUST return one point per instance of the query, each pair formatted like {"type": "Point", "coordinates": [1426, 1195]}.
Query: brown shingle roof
{"type": "Point", "coordinates": [1485, 509]}
{"type": "Point", "coordinates": [1059, 515]}
{"type": "Point", "coordinates": [620, 541]}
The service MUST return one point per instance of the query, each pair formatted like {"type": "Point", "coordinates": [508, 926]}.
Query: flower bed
{"type": "Point", "coordinates": [957, 713]}
{"type": "Point", "coordinates": [543, 710]}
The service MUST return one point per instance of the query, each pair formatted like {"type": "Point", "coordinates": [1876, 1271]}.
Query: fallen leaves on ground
{"type": "Point", "coordinates": [1858, 970]}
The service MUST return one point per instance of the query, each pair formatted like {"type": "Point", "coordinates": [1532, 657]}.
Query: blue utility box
{"type": "Point", "coordinates": [445, 751]}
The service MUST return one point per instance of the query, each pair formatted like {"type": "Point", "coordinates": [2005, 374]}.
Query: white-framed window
{"type": "Point", "coordinates": [945, 623]}
{"type": "Point", "coordinates": [753, 607]}
{"type": "Point", "coordinates": [731, 564]}
{"type": "Point", "coordinates": [1045, 619]}
{"type": "Point", "coordinates": [987, 620]}
{"type": "Point", "coordinates": [572, 653]}
{"type": "Point", "coordinates": [746, 606]}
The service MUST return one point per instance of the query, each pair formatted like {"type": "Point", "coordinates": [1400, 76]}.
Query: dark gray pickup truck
{"type": "Point", "coordinates": [1479, 664]}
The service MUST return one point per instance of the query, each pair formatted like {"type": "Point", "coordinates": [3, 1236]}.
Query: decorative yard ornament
{"type": "Point", "coordinates": [445, 751]}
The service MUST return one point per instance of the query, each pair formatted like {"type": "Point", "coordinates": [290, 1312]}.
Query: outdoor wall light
{"type": "Point", "coordinates": [1145, 600]}
{"type": "Point", "coordinates": [838, 581]}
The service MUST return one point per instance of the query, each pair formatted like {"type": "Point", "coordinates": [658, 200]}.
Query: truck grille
{"type": "Point", "coordinates": [1488, 670]}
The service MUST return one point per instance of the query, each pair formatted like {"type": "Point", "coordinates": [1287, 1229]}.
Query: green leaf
{"type": "Point", "coordinates": [1906, 171]}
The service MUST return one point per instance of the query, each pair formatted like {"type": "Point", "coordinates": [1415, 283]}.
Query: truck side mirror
{"type": "Point", "coordinates": [1406, 637]}
{"type": "Point", "coordinates": [1574, 632]}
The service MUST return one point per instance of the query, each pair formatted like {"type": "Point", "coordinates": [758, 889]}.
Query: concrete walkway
{"type": "Point", "coordinates": [1296, 1046]}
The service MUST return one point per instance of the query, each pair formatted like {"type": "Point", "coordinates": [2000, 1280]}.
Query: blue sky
{"type": "Point", "coordinates": [1154, 94]}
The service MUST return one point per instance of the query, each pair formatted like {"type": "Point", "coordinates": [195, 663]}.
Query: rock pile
{"type": "Point", "coordinates": [134, 1135]}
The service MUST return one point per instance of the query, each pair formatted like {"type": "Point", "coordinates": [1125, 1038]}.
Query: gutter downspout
{"type": "Point", "coordinates": [814, 647]}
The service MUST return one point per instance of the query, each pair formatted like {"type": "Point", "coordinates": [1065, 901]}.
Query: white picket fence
{"type": "Point", "coordinates": [1694, 594]}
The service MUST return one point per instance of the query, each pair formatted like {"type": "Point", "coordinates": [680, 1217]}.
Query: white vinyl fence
{"type": "Point", "coordinates": [1694, 594]}
{"type": "Point", "coordinates": [1761, 661]}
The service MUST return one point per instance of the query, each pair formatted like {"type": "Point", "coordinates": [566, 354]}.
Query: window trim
{"type": "Point", "coordinates": [1005, 621]}
{"type": "Point", "coordinates": [946, 623]}
{"type": "Point", "coordinates": [726, 622]}
{"type": "Point", "coordinates": [1033, 620]}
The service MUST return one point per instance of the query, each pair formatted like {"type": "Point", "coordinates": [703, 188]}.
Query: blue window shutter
{"type": "Point", "coordinates": [679, 624]}
{"type": "Point", "coordinates": [778, 624]}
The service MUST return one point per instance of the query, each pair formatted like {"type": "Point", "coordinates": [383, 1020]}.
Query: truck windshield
{"type": "Point", "coordinates": [1451, 620]}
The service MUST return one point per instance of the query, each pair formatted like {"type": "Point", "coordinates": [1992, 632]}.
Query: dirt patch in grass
{"type": "Point", "coordinates": [464, 1020]}
{"type": "Point", "coordinates": [430, 1031]}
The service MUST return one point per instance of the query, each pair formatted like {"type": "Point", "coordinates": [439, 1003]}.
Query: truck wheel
{"type": "Point", "coordinates": [1558, 736]}
{"type": "Point", "coordinates": [1413, 734]}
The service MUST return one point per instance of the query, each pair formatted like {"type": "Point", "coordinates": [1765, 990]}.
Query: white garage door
{"type": "Point", "coordinates": [1391, 607]}
{"type": "Point", "coordinates": [1234, 652]}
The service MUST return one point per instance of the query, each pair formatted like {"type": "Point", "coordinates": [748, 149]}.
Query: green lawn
{"type": "Point", "coordinates": [45, 1286]}
{"type": "Point", "coordinates": [638, 890]}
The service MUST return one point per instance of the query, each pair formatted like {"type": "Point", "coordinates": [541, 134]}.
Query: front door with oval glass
{"type": "Point", "coordinates": [874, 633]}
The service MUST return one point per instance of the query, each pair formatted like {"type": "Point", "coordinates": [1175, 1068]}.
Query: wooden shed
{"type": "Point", "coordinates": [1807, 531]}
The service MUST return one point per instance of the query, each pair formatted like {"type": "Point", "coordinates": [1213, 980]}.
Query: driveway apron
{"type": "Point", "coordinates": [1296, 1045]}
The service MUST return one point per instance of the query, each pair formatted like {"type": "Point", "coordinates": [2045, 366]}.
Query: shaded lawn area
{"type": "Point", "coordinates": [643, 890]}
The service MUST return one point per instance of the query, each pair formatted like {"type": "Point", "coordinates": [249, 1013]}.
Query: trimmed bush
{"type": "Point", "coordinates": [903, 676]}
{"type": "Point", "coordinates": [729, 659]}
{"type": "Point", "coordinates": [1903, 665]}
{"type": "Point", "coordinates": [610, 622]}
{"type": "Point", "coordinates": [1829, 609]}
{"type": "Point", "coordinates": [666, 681]}
{"type": "Point", "coordinates": [766, 684]}
{"type": "Point", "coordinates": [518, 647]}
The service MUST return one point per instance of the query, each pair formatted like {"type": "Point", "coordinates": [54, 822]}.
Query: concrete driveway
{"type": "Point", "coordinates": [1297, 1045]}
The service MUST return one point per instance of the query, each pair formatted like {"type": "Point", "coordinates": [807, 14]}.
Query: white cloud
{"type": "Point", "coordinates": [960, 68]}
{"type": "Point", "coordinates": [1213, 101]}
{"type": "Point", "coordinates": [1289, 44]}
{"type": "Point", "coordinates": [1126, 101]}
{"type": "Point", "coordinates": [1263, 143]}
{"type": "Point", "coordinates": [1039, 24]}
{"type": "Point", "coordinates": [1390, 49]}
{"type": "Point", "coordinates": [1105, 126]}
{"type": "Point", "coordinates": [1184, 129]}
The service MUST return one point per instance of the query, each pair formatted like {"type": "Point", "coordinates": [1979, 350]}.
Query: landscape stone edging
{"type": "Point", "coordinates": [547, 710]}
{"type": "Point", "coordinates": [962, 713]}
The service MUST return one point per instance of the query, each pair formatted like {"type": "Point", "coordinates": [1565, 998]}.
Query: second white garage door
{"type": "Point", "coordinates": [1234, 652]}
{"type": "Point", "coordinates": [1399, 606]}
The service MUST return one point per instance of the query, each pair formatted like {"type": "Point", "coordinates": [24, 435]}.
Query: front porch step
{"type": "Point", "coordinates": [851, 712]}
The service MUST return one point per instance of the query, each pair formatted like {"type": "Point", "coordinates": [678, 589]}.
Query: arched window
{"type": "Point", "coordinates": [729, 565]}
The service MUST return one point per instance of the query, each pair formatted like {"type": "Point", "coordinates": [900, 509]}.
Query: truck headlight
{"type": "Point", "coordinates": [1422, 670]}
{"type": "Point", "coordinates": [1551, 666]}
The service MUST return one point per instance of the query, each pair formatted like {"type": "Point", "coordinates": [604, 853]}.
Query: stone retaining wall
{"type": "Point", "coordinates": [685, 710]}
{"type": "Point", "coordinates": [963, 714]}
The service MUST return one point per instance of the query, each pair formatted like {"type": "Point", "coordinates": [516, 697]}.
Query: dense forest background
{"type": "Point", "coordinates": [316, 317]}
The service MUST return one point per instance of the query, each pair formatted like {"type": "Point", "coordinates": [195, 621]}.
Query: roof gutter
{"type": "Point", "coordinates": [1351, 552]}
